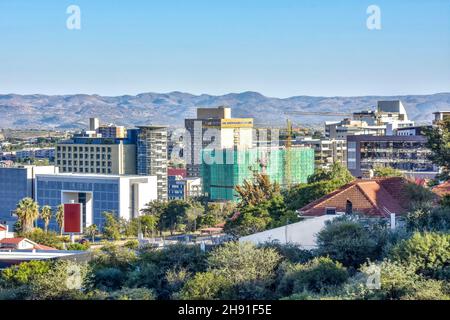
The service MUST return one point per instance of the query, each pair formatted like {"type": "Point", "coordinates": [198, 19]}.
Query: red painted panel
{"type": "Point", "coordinates": [72, 217]}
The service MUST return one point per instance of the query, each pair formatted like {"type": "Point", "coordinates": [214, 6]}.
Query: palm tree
{"type": "Point", "coordinates": [46, 215]}
{"type": "Point", "coordinates": [59, 216]}
{"type": "Point", "coordinates": [91, 231]}
{"type": "Point", "coordinates": [27, 211]}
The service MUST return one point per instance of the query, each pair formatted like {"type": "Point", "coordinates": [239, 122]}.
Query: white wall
{"type": "Point", "coordinates": [302, 233]}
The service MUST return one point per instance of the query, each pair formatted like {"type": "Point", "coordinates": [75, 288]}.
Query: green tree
{"type": "Point", "coordinates": [111, 229]}
{"type": "Point", "coordinates": [91, 231]}
{"type": "Point", "coordinates": [175, 215]}
{"type": "Point", "coordinates": [27, 212]}
{"type": "Point", "coordinates": [383, 172]}
{"type": "Point", "coordinates": [59, 216]}
{"type": "Point", "coordinates": [46, 216]}
{"type": "Point", "coordinates": [252, 193]}
{"type": "Point", "coordinates": [337, 172]}
{"type": "Point", "coordinates": [438, 141]}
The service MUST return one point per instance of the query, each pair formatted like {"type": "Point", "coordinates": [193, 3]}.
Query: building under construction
{"type": "Point", "coordinates": [223, 169]}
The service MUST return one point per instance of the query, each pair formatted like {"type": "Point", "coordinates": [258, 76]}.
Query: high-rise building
{"type": "Point", "coordinates": [152, 155]}
{"type": "Point", "coordinates": [224, 169]}
{"type": "Point", "coordinates": [214, 128]}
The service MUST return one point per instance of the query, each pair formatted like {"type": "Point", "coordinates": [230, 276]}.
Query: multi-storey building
{"type": "Point", "coordinates": [405, 153]}
{"type": "Point", "coordinates": [326, 151]}
{"type": "Point", "coordinates": [214, 128]}
{"type": "Point", "coordinates": [152, 155]}
{"type": "Point", "coordinates": [96, 155]}
{"type": "Point", "coordinates": [224, 169]}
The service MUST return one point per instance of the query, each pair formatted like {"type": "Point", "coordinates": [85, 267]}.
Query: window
{"type": "Point", "coordinates": [330, 211]}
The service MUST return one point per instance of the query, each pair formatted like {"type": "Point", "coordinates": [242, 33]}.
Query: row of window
{"type": "Point", "coordinates": [83, 155]}
{"type": "Point", "coordinates": [87, 170]}
{"type": "Point", "coordinates": [81, 149]}
{"type": "Point", "coordinates": [86, 163]}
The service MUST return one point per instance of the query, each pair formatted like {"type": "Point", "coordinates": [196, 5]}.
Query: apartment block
{"type": "Point", "coordinates": [152, 155]}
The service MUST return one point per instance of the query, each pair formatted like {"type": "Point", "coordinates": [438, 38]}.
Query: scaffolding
{"type": "Point", "coordinates": [222, 170]}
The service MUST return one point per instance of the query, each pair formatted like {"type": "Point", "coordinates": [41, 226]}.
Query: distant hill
{"type": "Point", "coordinates": [72, 111]}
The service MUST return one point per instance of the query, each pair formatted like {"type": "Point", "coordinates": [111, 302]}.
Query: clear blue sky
{"type": "Point", "coordinates": [280, 48]}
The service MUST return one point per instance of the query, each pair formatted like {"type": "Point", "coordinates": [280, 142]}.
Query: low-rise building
{"type": "Point", "coordinates": [124, 196]}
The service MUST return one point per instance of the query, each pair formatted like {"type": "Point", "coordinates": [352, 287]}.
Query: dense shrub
{"type": "Point", "coordinates": [350, 243]}
{"type": "Point", "coordinates": [429, 219]}
{"type": "Point", "coordinates": [428, 252]}
{"type": "Point", "coordinates": [132, 294]}
{"type": "Point", "coordinates": [204, 286]}
{"type": "Point", "coordinates": [78, 246]}
{"type": "Point", "coordinates": [318, 275]}
{"type": "Point", "coordinates": [290, 252]}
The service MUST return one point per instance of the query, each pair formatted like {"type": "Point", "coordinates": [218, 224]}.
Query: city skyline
{"type": "Point", "coordinates": [279, 49]}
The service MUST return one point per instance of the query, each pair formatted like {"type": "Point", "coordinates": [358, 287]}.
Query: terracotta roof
{"type": "Point", "coordinates": [442, 189]}
{"type": "Point", "coordinates": [2, 228]}
{"type": "Point", "coordinates": [378, 197]}
{"type": "Point", "coordinates": [42, 247]}
{"type": "Point", "coordinates": [16, 241]}
{"type": "Point", "coordinates": [12, 240]}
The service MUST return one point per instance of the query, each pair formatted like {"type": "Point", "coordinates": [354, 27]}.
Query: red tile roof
{"type": "Point", "coordinates": [376, 197]}
{"type": "Point", "coordinates": [442, 189]}
{"type": "Point", "coordinates": [12, 240]}
{"type": "Point", "coordinates": [16, 241]}
{"type": "Point", "coordinates": [2, 228]}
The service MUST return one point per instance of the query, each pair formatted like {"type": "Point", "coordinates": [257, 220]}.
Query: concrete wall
{"type": "Point", "coordinates": [302, 233]}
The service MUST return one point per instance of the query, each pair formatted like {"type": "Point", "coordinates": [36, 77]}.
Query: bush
{"type": "Point", "coordinates": [132, 294]}
{"type": "Point", "coordinates": [156, 267]}
{"type": "Point", "coordinates": [204, 286]}
{"type": "Point", "coordinates": [78, 246]}
{"type": "Point", "coordinates": [111, 256]}
{"type": "Point", "coordinates": [350, 243]}
{"type": "Point", "coordinates": [244, 262]}
{"type": "Point", "coordinates": [290, 252]}
{"type": "Point", "coordinates": [428, 252]}
{"type": "Point", "coordinates": [108, 279]}
{"type": "Point", "coordinates": [319, 275]}
{"type": "Point", "coordinates": [132, 244]}
{"type": "Point", "coordinates": [23, 273]}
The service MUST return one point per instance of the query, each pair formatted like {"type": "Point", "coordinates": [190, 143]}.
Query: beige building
{"type": "Point", "coordinates": [103, 158]}
{"type": "Point", "coordinates": [214, 128]}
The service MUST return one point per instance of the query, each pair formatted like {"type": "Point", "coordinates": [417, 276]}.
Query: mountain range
{"type": "Point", "coordinates": [63, 112]}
